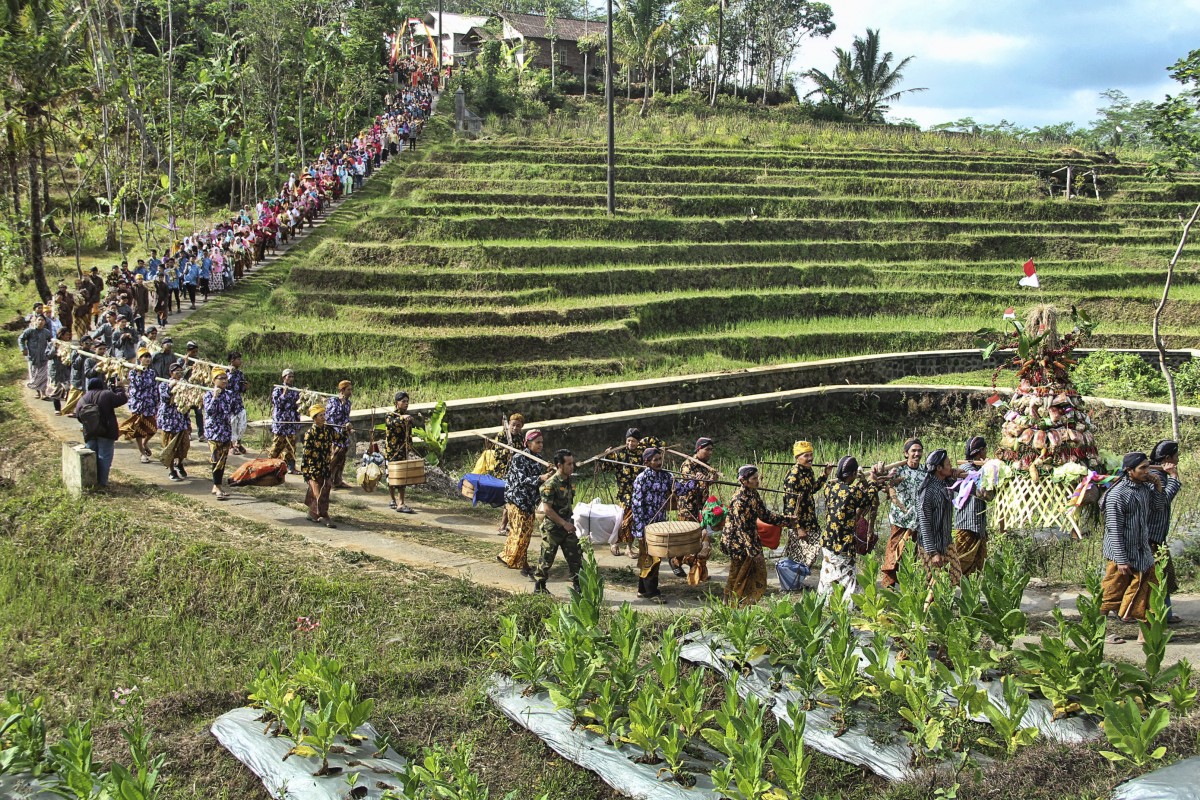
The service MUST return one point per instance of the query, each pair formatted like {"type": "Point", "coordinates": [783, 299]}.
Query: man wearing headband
{"type": "Point", "coordinates": [317, 463]}
{"type": "Point", "coordinates": [525, 476]}
{"type": "Point", "coordinates": [175, 426]}
{"type": "Point", "coordinates": [970, 521]}
{"type": "Point", "coordinates": [512, 435]}
{"type": "Point", "coordinates": [630, 457]}
{"type": "Point", "coordinates": [692, 488]}
{"type": "Point", "coordinates": [398, 446]}
{"type": "Point", "coordinates": [1164, 463]}
{"type": "Point", "coordinates": [558, 529]}
{"type": "Point", "coordinates": [747, 567]}
{"type": "Point", "coordinates": [935, 515]}
{"type": "Point", "coordinates": [143, 404]}
{"type": "Point", "coordinates": [802, 486]}
{"type": "Point", "coordinates": [337, 416]}
{"type": "Point", "coordinates": [903, 512]}
{"type": "Point", "coordinates": [285, 421]}
{"type": "Point", "coordinates": [651, 493]}
{"type": "Point", "coordinates": [847, 497]}
{"type": "Point", "coordinates": [216, 429]}
{"type": "Point", "coordinates": [81, 363]}
{"type": "Point", "coordinates": [1129, 572]}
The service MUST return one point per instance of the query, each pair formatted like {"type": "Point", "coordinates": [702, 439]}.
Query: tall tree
{"type": "Point", "coordinates": [641, 28]}
{"type": "Point", "coordinates": [864, 81]}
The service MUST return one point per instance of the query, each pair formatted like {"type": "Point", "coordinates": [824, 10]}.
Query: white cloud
{"type": "Point", "coordinates": [962, 48]}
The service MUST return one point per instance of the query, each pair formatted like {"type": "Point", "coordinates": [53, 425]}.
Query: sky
{"type": "Point", "coordinates": [1032, 62]}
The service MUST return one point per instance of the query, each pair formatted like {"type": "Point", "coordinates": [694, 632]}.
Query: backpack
{"type": "Point", "coordinates": [90, 419]}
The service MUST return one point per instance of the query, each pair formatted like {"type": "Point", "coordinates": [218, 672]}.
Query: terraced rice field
{"type": "Point", "coordinates": [492, 266]}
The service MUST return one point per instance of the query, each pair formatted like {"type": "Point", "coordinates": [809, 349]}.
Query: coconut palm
{"type": "Point", "coordinates": [641, 28]}
{"type": "Point", "coordinates": [864, 81]}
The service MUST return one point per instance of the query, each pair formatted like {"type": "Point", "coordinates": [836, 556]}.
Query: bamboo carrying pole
{"type": "Point", "coordinates": [177, 382]}
{"type": "Point", "coordinates": [195, 360]}
{"type": "Point", "coordinates": [673, 472]}
{"type": "Point", "coordinates": [694, 460]}
{"type": "Point", "coordinates": [531, 456]}
{"type": "Point", "coordinates": [303, 390]}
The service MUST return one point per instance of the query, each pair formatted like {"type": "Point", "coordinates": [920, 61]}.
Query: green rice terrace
{"type": "Point", "coordinates": [490, 266]}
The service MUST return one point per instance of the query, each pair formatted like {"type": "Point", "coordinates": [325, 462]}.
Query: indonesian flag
{"type": "Point", "coordinates": [1010, 313]}
{"type": "Point", "coordinates": [1031, 278]}
{"type": "Point", "coordinates": [994, 400]}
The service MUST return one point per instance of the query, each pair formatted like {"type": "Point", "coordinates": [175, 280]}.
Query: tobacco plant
{"type": "Point", "coordinates": [1007, 722]}
{"type": "Point", "coordinates": [441, 774]}
{"type": "Point", "coordinates": [671, 744]}
{"type": "Point", "coordinates": [1152, 682]}
{"type": "Point", "coordinates": [349, 711]}
{"type": "Point", "coordinates": [573, 667]}
{"type": "Point", "coordinates": [916, 682]}
{"type": "Point", "coordinates": [71, 758]}
{"type": "Point", "coordinates": [739, 736]}
{"type": "Point", "coordinates": [625, 638]}
{"type": "Point", "coordinates": [1069, 669]}
{"type": "Point", "coordinates": [686, 706]}
{"type": "Point", "coordinates": [319, 736]}
{"type": "Point", "coordinates": [1131, 734]}
{"type": "Point", "coordinates": [839, 672]}
{"type": "Point", "coordinates": [1003, 586]}
{"type": "Point", "coordinates": [270, 690]}
{"type": "Point", "coordinates": [524, 653]}
{"type": "Point", "coordinates": [790, 760]}
{"type": "Point", "coordinates": [140, 782]}
{"type": "Point", "coordinates": [1182, 695]}
{"type": "Point", "coordinates": [22, 735]}
{"type": "Point", "coordinates": [607, 710]}
{"type": "Point", "coordinates": [647, 719]}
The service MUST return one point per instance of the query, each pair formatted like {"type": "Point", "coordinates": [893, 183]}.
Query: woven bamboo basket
{"type": "Point", "coordinates": [1021, 503]}
{"type": "Point", "coordinates": [409, 472]}
{"type": "Point", "coordinates": [671, 539]}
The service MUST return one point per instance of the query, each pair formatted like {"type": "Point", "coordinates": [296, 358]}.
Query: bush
{"type": "Point", "coordinates": [1187, 379]}
{"type": "Point", "coordinates": [1122, 376]}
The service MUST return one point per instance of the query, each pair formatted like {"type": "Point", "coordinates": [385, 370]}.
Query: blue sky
{"type": "Point", "coordinates": [1028, 61]}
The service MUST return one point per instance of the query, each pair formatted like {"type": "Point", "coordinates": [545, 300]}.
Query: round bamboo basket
{"type": "Point", "coordinates": [671, 539]}
{"type": "Point", "coordinates": [409, 472]}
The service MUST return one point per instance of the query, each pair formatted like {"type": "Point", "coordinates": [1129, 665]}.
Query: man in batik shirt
{"type": "Point", "coordinates": [747, 568]}
{"type": "Point", "coordinates": [319, 453]}
{"type": "Point", "coordinates": [651, 493]}
{"type": "Point", "coordinates": [217, 405]}
{"type": "Point", "coordinates": [175, 426]}
{"type": "Point", "coordinates": [337, 416]}
{"type": "Point", "coordinates": [802, 485]}
{"type": "Point", "coordinates": [397, 442]}
{"type": "Point", "coordinates": [285, 421]}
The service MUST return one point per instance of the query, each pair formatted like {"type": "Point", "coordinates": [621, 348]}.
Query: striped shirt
{"type": "Point", "coordinates": [973, 515]}
{"type": "Point", "coordinates": [1127, 524]}
{"type": "Point", "coordinates": [935, 513]}
{"type": "Point", "coordinates": [1160, 510]}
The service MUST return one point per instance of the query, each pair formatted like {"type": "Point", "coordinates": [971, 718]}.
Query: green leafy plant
{"type": "Point", "coordinates": [22, 735]}
{"type": "Point", "coordinates": [740, 737]}
{"type": "Point", "coordinates": [270, 690]}
{"type": "Point", "coordinates": [141, 781]}
{"type": "Point", "coordinates": [686, 704]}
{"type": "Point", "coordinates": [1131, 734]}
{"type": "Point", "coordinates": [790, 760]}
{"type": "Point", "coordinates": [647, 720]}
{"type": "Point", "coordinates": [1183, 696]}
{"type": "Point", "coordinates": [572, 670]}
{"type": "Point", "coordinates": [625, 652]}
{"type": "Point", "coordinates": [441, 774]}
{"type": "Point", "coordinates": [744, 637]}
{"type": "Point", "coordinates": [1010, 733]}
{"type": "Point", "coordinates": [319, 736]}
{"type": "Point", "coordinates": [1003, 585]}
{"type": "Point", "coordinates": [71, 759]}
{"type": "Point", "coordinates": [671, 744]}
{"type": "Point", "coordinates": [839, 672]}
{"type": "Point", "coordinates": [607, 712]}
{"type": "Point", "coordinates": [524, 653]}
{"type": "Point", "coordinates": [434, 434]}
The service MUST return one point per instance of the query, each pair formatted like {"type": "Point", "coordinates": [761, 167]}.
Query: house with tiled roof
{"type": "Point", "coordinates": [523, 29]}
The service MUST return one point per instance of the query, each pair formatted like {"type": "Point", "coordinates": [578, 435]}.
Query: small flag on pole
{"type": "Point", "coordinates": [994, 399]}
{"type": "Point", "coordinates": [1010, 313]}
{"type": "Point", "coordinates": [1031, 278]}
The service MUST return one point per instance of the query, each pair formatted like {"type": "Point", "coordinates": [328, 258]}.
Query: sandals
{"type": "Point", "coordinates": [615, 549]}
{"type": "Point", "coordinates": [1114, 639]}
{"type": "Point", "coordinates": [405, 510]}
{"type": "Point", "coordinates": [657, 599]}
{"type": "Point", "coordinates": [1174, 619]}
{"type": "Point", "coordinates": [145, 458]}
{"type": "Point", "coordinates": [679, 573]}
{"type": "Point", "coordinates": [392, 506]}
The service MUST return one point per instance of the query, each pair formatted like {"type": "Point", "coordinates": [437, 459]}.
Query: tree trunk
{"type": "Point", "coordinates": [12, 166]}
{"type": "Point", "coordinates": [720, 41]}
{"type": "Point", "coordinates": [300, 120]}
{"type": "Point", "coordinates": [45, 159]}
{"type": "Point", "coordinates": [1158, 343]}
{"type": "Point", "coordinates": [36, 258]}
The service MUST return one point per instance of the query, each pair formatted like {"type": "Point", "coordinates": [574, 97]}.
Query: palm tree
{"type": "Point", "coordinates": [864, 81]}
{"type": "Point", "coordinates": [641, 28]}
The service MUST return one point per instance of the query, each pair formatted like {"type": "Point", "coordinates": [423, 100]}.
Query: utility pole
{"type": "Point", "coordinates": [608, 95]}
{"type": "Point", "coordinates": [441, 43]}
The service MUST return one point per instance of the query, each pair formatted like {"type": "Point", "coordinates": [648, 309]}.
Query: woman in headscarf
{"type": "Point", "coordinates": [903, 513]}
{"type": "Point", "coordinates": [802, 486]}
{"type": "Point", "coordinates": [747, 568]}
{"type": "Point", "coordinates": [510, 434]}
{"type": "Point", "coordinates": [651, 493]}
{"type": "Point", "coordinates": [1164, 461]}
{"type": "Point", "coordinates": [970, 520]}
{"type": "Point", "coordinates": [846, 496]}
{"type": "Point", "coordinates": [524, 479]}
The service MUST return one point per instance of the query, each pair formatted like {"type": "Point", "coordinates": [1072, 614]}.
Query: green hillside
{"type": "Point", "coordinates": [492, 266]}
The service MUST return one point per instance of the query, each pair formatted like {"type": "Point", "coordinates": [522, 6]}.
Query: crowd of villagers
{"type": "Point", "coordinates": [929, 509]}
{"type": "Point", "coordinates": [96, 349]}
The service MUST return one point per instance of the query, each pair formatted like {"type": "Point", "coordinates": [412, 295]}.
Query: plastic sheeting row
{"type": "Point", "coordinates": [1180, 781]}
{"type": "Point", "coordinates": [615, 765]}
{"type": "Point", "coordinates": [890, 760]}
{"type": "Point", "coordinates": [241, 733]}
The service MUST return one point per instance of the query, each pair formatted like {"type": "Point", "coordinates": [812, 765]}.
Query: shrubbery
{"type": "Point", "coordinates": [1123, 376]}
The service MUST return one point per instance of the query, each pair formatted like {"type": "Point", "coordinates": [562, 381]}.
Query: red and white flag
{"type": "Point", "coordinates": [1031, 278]}
{"type": "Point", "coordinates": [1010, 313]}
